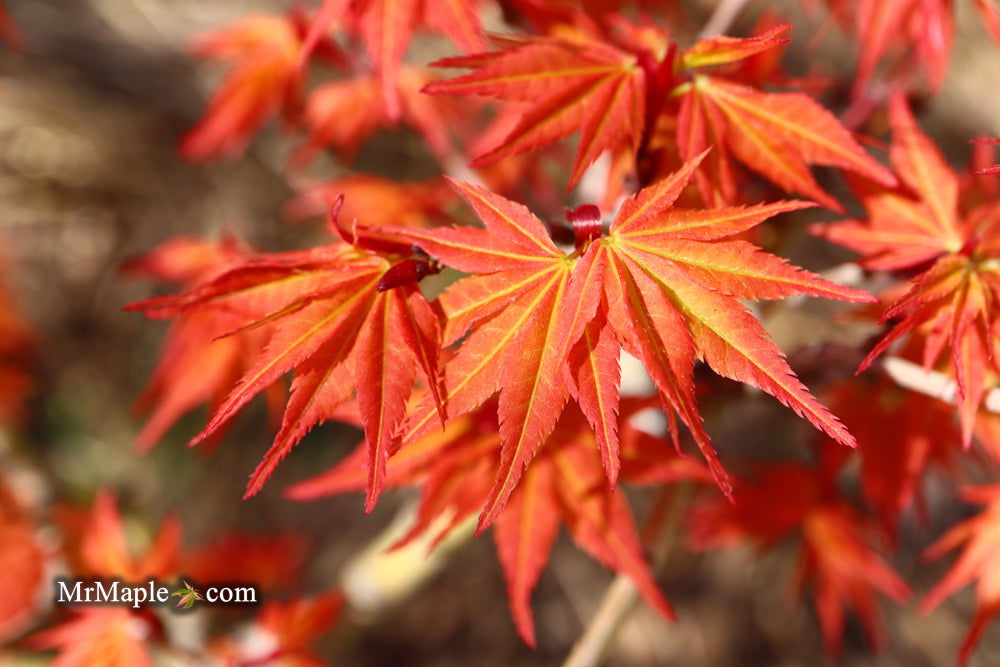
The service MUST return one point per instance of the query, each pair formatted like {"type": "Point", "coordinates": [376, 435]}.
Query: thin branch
{"type": "Point", "coordinates": [932, 383]}
{"type": "Point", "coordinates": [380, 575]}
{"type": "Point", "coordinates": [722, 18]}
{"type": "Point", "coordinates": [621, 596]}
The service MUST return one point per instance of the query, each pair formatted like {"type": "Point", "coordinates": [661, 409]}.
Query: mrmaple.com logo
{"type": "Point", "coordinates": [115, 592]}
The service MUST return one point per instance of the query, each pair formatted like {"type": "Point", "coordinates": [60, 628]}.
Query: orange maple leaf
{"type": "Point", "coordinates": [286, 631]}
{"type": "Point", "coordinates": [386, 28]}
{"type": "Point", "coordinates": [100, 548]}
{"type": "Point", "coordinates": [270, 561]}
{"type": "Point", "coordinates": [192, 369]}
{"type": "Point", "coordinates": [567, 85]}
{"type": "Point", "coordinates": [951, 304]}
{"type": "Point", "coordinates": [264, 50]}
{"type": "Point", "coordinates": [979, 561]}
{"type": "Point", "coordinates": [835, 555]}
{"type": "Point", "coordinates": [563, 485]}
{"type": "Point", "coordinates": [903, 36]}
{"type": "Point", "coordinates": [904, 32]}
{"type": "Point", "coordinates": [400, 203]}
{"type": "Point", "coordinates": [22, 564]}
{"type": "Point", "coordinates": [664, 284]}
{"type": "Point", "coordinates": [342, 114]}
{"type": "Point", "coordinates": [902, 434]}
{"type": "Point", "coordinates": [619, 97]}
{"type": "Point", "coordinates": [345, 313]}
{"type": "Point", "coordinates": [101, 636]}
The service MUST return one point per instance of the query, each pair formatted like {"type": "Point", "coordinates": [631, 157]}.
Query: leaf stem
{"type": "Point", "coordinates": [621, 596]}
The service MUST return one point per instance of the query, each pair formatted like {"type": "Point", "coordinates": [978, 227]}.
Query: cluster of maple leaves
{"type": "Point", "coordinates": [500, 397]}
{"type": "Point", "coordinates": [93, 544]}
{"type": "Point", "coordinates": [466, 395]}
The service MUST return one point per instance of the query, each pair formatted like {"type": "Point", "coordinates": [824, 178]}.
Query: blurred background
{"type": "Point", "coordinates": [91, 108]}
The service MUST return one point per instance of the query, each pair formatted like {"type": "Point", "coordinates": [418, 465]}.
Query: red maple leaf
{"type": "Point", "coordinates": [345, 314]}
{"type": "Point", "coordinates": [270, 561]}
{"type": "Point", "coordinates": [567, 85]}
{"type": "Point", "coordinates": [902, 37]}
{"type": "Point", "coordinates": [283, 632]}
{"type": "Point", "coordinates": [193, 367]}
{"type": "Point", "coordinates": [266, 53]}
{"type": "Point", "coordinates": [22, 563]}
{"type": "Point", "coordinates": [342, 114]}
{"type": "Point", "coordinates": [379, 201]}
{"type": "Point", "coordinates": [776, 135]}
{"type": "Point", "coordinates": [836, 556]}
{"type": "Point", "coordinates": [664, 284]}
{"type": "Point", "coordinates": [100, 549]}
{"type": "Point", "coordinates": [616, 96]}
{"type": "Point", "coordinates": [979, 562]}
{"type": "Point", "coordinates": [564, 484]}
{"type": "Point", "coordinates": [386, 28]}
{"type": "Point", "coordinates": [96, 546]}
{"type": "Point", "coordinates": [951, 304]}
{"type": "Point", "coordinates": [903, 33]}
{"type": "Point", "coordinates": [901, 434]}
{"type": "Point", "coordinates": [100, 636]}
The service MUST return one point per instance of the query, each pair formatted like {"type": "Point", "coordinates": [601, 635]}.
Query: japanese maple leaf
{"type": "Point", "coordinates": [266, 53]}
{"type": "Point", "coordinates": [664, 284]}
{"type": "Point", "coordinates": [617, 97]}
{"type": "Point", "coordinates": [377, 200]}
{"type": "Point", "coordinates": [270, 561]}
{"type": "Point", "coordinates": [900, 36]}
{"type": "Point", "coordinates": [835, 552]}
{"type": "Point", "coordinates": [763, 67]}
{"type": "Point", "coordinates": [566, 85]}
{"type": "Point", "coordinates": [344, 314]}
{"type": "Point", "coordinates": [298, 623]}
{"type": "Point", "coordinates": [386, 28]}
{"type": "Point", "coordinates": [903, 33]}
{"type": "Point", "coordinates": [187, 596]}
{"type": "Point", "coordinates": [192, 369]}
{"type": "Point", "coordinates": [845, 570]}
{"type": "Point", "coordinates": [343, 114]}
{"type": "Point", "coordinates": [979, 562]}
{"type": "Point", "coordinates": [96, 546]}
{"type": "Point", "coordinates": [283, 632]}
{"type": "Point", "coordinates": [22, 564]}
{"type": "Point", "coordinates": [777, 135]}
{"type": "Point", "coordinates": [99, 636]}
{"type": "Point", "coordinates": [102, 550]}
{"type": "Point", "coordinates": [563, 485]}
{"type": "Point", "coordinates": [951, 303]}
{"type": "Point", "coordinates": [902, 435]}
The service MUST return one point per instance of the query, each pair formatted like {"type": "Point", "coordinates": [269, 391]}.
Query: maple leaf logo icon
{"type": "Point", "coordinates": [188, 596]}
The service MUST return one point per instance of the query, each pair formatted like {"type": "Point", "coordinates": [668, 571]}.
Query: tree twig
{"type": "Point", "coordinates": [621, 596]}
{"type": "Point", "coordinates": [722, 18]}
{"type": "Point", "coordinates": [932, 383]}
